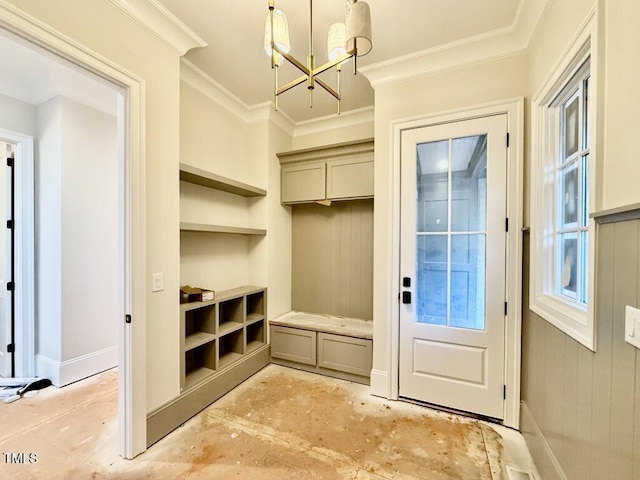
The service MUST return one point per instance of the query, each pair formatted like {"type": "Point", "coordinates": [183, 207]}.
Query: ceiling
{"type": "Point", "coordinates": [234, 32]}
{"type": "Point", "coordinates": [31, 75]}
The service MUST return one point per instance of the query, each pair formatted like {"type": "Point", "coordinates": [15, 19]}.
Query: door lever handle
{"type": "Point", "coordinates": [406, 297]}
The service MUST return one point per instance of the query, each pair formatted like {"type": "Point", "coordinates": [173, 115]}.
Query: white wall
{"type": "Point", "coordinates": [77, 241]}
{"type": "Point", "coordinates": [18, 116]}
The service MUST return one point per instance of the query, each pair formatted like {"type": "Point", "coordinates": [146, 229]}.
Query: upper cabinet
{"type": "Point", "coordinates": [336, 172]}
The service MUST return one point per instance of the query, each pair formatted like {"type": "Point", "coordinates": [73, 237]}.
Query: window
{"type": "Point", "coordinates": [571, 236]}
{"type": "Point", "coordinates": [563, 179]}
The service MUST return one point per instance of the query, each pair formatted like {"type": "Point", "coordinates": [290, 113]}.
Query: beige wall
{"type": "Point", "coordinates": [492, 81]}
{"type": "Point", "coordinates": [621, 167]}
{"type": "Point", "coordinates": [341, 131]}
{"type": "Point", "coordinates": [101, 27]}
{"type": "Point", "coordinates": [220, 141]}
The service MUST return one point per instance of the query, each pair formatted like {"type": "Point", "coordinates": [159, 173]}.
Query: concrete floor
{"type": "Point", "coordinates": [279, 424]}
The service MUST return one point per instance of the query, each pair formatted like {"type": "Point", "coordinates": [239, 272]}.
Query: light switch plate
{"type": "Point", "coordinates": [157, 282]}
{"type": "Point", "coordinates": [632, 326]}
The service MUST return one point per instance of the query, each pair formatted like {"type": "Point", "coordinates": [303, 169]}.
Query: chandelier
{"type": "Point", "coordinates": [347, 40]}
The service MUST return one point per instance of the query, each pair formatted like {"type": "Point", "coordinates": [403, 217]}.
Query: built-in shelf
{"type": "Point", "coordinates": [203, 178]}
{"type": "Point", "coordinates": [196, 339]}
{"type": "Point", "coordinates": [208, 228]}
{"type": "Point", "coordinates": [254, 317]}
{"type": "Point", "coordinates": [220, 332]}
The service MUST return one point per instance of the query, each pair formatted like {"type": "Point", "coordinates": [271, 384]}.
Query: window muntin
{"type": "Point", "coordinates": [572, 198]}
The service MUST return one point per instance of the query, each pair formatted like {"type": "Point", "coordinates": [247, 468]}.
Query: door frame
{"type": "Point", "coordinates": [24, 279]}
{"type": "Point", "coordinates": [514, 109]}
{"type": "Point", "coordinates": [132, 408]}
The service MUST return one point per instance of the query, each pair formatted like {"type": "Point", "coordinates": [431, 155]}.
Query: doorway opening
{"type": "Point", "coordinates": [84, 126]}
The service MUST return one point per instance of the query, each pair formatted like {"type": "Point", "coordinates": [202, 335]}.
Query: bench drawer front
{"type": "Point", "coordinates": [293, 344]}
{"type": "Point", "coordinates": [345, 354]}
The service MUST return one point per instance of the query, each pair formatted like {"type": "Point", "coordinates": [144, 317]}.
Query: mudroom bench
{"type": "Point", "coordinates": [335, 346]}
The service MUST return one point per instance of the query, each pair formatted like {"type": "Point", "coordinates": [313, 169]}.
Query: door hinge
{"type": "Point", "coordinates": [10, 162]}
{"type": "Point", "coordinates": [11, 286]}
{"type": "Point", "coordinates": [505, 308]}
{"type": "Point", "coordinates": [9, 224]}
{"type": "Point", "coordinates": [504, 392]}
{"type": "Point", "coordinates": [127, 318]}
{"type": "Point", "coordinates": [11, 348]}
{"type": "Point", "coordinates": [506, 224]}
{"type": "Point", "coordinates": [508, 140]}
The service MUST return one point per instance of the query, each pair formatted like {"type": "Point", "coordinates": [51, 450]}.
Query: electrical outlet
{"type": "Point", "coordinates": [157, 282]}
{"type": "Point", "coordinates": [632, 326]}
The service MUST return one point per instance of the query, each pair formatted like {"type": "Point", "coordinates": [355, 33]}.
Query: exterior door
{"type": "Point", "coordinates": [453, 265]}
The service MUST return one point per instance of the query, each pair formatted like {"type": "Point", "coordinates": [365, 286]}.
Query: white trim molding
{"type": "Point", "coordinates": [160, 22]}
{"type": "Point", "coordinates": [69, 371]}
{"type": "Point", "coordinates": [514, 109]}
{"type": "Point", "coordinates": [574, 319]}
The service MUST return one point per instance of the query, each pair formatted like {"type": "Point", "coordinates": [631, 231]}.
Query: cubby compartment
{"type": "Point", "coordinates": [199, 363]}
{"type": "Point", "coordinates": [231, 315]}
{"type": "Point", "coordinates": [256, 335]}
{"type": "Point", "coordinates": [199, 326]}
{"type": "Point", "coordinates": [255, 307]}
{"type": "Point", "coordinates": [231, 348]}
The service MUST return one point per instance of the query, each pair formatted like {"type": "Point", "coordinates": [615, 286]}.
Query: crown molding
{"type": "Point", "coordinates": [160, 22]}
{"type": "Point", "coordinates": [346, 119]}
{"type": "Point", "coordinates": [500, 43]}
{"type": "Point", "coordinates": [207, 86]}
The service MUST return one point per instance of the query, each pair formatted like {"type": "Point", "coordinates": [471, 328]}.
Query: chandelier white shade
{"type": "Point", "coordinates": [336, 41]}
{"type": "Point", "coordinates": [359, 29]}
{"type": "Point", "coordinates": [280, 34]}
{"type": "Point", "coordinates": [344, 41]}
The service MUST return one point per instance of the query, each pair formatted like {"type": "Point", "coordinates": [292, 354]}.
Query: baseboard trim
{"type": "Point", "coordinates": [380, 384]}
{"type": "Point", "coordinates": [543, 456]}
{"type": "Point", "coordinates": [69, 371]}
{"type": "Point", "coordinates": [170, 416]}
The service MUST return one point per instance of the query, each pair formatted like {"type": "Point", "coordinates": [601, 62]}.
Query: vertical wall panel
{"type": "Point", "coordinates": [584, 413]}
{"type": "Point", "coordinates": [600, 432]}
{"type": "Point", "coordinates": [586, 404]}
{"type": "Point", "coordinates": [623, 355]}
{"type": "Point", "coordinates": [332, 258]}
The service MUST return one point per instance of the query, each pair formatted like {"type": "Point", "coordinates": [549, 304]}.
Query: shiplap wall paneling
{"type": "Point", "coordinates": [587, 404]}
{"type": "Point", "coordinates": [332, 258]}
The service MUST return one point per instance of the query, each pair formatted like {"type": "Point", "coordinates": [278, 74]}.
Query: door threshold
{"type": "Point", "coordinates": [432, 406]}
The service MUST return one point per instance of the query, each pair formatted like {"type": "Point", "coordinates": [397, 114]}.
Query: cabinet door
{"type": "Point", "coordinates": [350, 178]}
{"type": "Point", "coordinates": [293, 344]}
{"type": "Point", "coordinates": [345, 354]}
{"type": "Point", "coordinates": [303, 183]}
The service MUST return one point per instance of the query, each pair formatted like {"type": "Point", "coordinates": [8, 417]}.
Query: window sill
{"type": "Point", "coordinates": [573, 320]}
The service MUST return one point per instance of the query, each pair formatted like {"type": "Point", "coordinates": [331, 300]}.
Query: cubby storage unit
{"type": "Point", "coordinates": [335, 346]}
{"type": "Point", "coordinates": [218, 333]}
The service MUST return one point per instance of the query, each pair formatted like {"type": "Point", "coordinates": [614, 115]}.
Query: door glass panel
{"type": "Point", "coordinates": [431, 286]}
{"type": "Point", "coordinates": [451, 232]}
{"type": "Point", "coordinates": [467, 281]}
{"type": "Point", "coordinates": [433, 186]}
